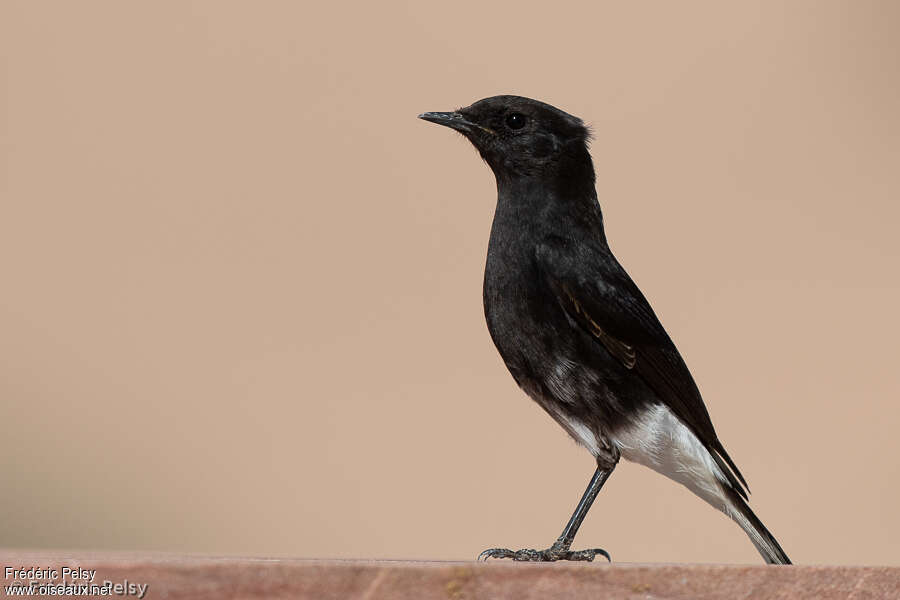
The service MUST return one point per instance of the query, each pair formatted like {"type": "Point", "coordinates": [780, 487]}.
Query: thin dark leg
{"type": "Point", "coordinates": [568, 535]}
{"type": "Point", "coordinates": [560, 549]}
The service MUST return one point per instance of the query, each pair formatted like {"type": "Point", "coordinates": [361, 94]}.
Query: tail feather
{"type": "Point", "coordinates": [761, 537]}
{"type": "Point", "coordinates": [660, 440]}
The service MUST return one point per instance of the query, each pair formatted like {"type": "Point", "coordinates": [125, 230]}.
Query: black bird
{"type": "Point", "coordinates": [574, 330]}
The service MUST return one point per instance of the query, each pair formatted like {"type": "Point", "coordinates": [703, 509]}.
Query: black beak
{"type": "Point", "coordinates": [453, 120]}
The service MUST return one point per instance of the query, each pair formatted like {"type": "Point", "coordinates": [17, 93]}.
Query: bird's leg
{"type": "Point", "coordinates": [560, 548]}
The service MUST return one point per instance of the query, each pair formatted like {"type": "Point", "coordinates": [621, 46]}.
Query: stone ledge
{"type": "Point", "coordinates": [179, 576]}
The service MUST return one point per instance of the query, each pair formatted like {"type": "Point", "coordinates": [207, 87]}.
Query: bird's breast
{"type": "Point", "coordinates": [551, 358]}
{"type": "Point", "coordinates": [523, 318]}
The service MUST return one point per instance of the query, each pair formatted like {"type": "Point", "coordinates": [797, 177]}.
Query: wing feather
{"type": "Point", "coordinates": [605, 302]}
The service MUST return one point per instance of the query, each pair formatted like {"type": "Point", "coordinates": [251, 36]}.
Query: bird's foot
{"type": "Point", "coordinates": [551, 554]}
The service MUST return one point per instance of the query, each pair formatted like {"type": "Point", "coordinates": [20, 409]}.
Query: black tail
{"type": "Point", "coordinates": [764, 541]}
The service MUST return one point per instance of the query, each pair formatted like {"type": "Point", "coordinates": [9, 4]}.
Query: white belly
{"type": "Point", "coordinates": [659, 440]}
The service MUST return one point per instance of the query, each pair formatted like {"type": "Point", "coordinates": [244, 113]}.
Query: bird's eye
{"type": "Point", "coordinates": [515, 120]}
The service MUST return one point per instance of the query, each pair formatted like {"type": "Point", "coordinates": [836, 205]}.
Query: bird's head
{"type": "Point", "coordinates": [519, 136]}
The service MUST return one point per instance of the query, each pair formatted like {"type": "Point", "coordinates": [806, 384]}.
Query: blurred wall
{"type": "Point", "coordinates": [241, 282]}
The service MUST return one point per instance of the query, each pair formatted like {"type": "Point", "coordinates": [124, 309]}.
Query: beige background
{"type": "Point", "coordinates": [241, 282]}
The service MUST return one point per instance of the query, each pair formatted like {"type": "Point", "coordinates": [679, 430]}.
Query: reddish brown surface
{"type": "Point", "coordinates": [172, 576]}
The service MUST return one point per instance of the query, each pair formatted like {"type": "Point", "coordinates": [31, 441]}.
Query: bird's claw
{"type": "Point", "coordinates": [548, 555]}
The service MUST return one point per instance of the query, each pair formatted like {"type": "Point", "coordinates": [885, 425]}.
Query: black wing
{"type": "Point", "coordinates": [602, 298]}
